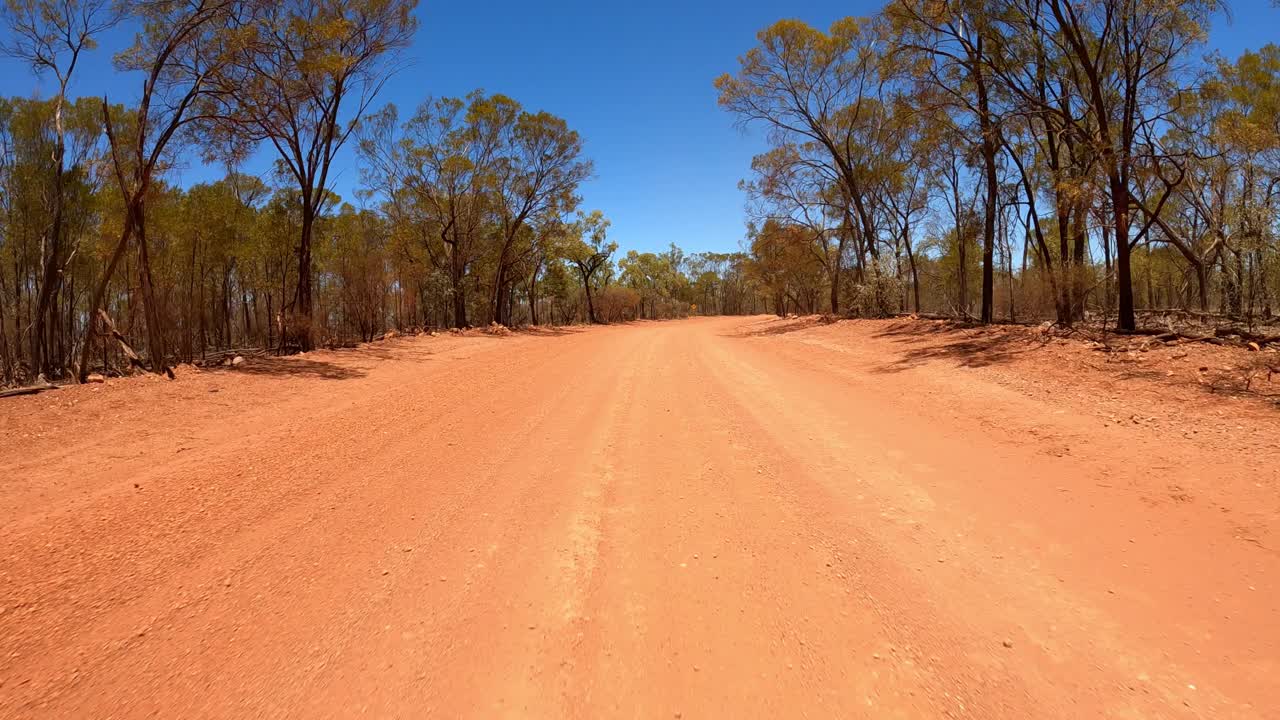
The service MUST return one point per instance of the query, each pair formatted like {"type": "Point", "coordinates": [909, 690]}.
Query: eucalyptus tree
{"type": "Point", "coordinates": [1244, 102]}
{"type": "Point", "coordinates": [1043, 134]}
{"type": "Point", "coordinates": [820, 93]}
{"type": "Point", "coordinates": [304, 74]}
{"type": "Point", "coordinates": [546, 234]}
{"type": "Point", "coordinates": [787, 188]}
{"type": "Point", "coordinates": [1125, 63]}
{"type": "Point", "coordinates": [484, 181]}
{"type": "Point", "coordinates": [906, 186]}
{"type": "Point", "coordinates": [952, 38]}
{"type": "Point", "coordinates": [436, 172]}
{"type": "Point", "coordinates": [588, 250]}
{"type": "Point", "coordinates": [536, 174]}
{"type": "Point", "coordinates": [784, 266]}
{"type": "Point", "coordinates": [52, 36]}
{"type": "Point", "coordinates": [179, 46]}
{"type": "Point", "coordinates": [662, 288]}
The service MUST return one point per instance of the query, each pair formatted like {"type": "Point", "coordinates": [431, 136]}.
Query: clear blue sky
{"type": "Point", "coordinates": [633, 78]}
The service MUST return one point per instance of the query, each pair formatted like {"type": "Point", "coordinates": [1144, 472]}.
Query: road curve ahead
{"type": "Point", "coordinates": [697, 519]}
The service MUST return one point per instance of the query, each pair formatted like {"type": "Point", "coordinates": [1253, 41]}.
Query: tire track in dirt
{"type": "Point", "coordinates": [668, 519]}
{"type": "Point", "coordinates": [715, 594]}
{"type": "Point", "coordinates": [342, 457]}
{"type": "Point", "coordinates": [1097, 645]}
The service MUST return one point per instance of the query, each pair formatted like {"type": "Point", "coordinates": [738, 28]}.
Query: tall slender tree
{"type": "Point", "coordinates": [305, 74]}
{"type": "Point", "coordinates": [180, 46]}
{"type": "Point", "coordinates": [589, 251]}
{"type": "Point", "coordinates": [53, 35]}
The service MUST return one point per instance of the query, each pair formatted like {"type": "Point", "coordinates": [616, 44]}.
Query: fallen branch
{"type": "Point", "coordinates": [40, 386]}
{"type": "Point", "coordinates": [1210, 339]}
{"type": "Point", "coordinates": [134, 359]}
{"type": "Point", "coordinates": [1248, 337]}
{"type": "Point", "coordinates": [924, 316]}
{"type": "Point", "coordinates": [219, 357]}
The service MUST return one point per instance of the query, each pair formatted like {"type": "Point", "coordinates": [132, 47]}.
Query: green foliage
{"type": "Point", "coordinates": [943, 145]}
{"type": "Point", "coordinates": [879, 295]}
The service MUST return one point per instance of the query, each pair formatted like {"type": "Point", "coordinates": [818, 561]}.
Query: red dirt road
{"type": "Point", "coordinates": [710, 518]}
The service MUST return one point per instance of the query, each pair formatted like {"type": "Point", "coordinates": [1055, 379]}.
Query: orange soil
{"type": "Point", "coordinates": [737, 517]}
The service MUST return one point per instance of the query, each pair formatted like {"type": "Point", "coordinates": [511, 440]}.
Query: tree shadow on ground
{"type": "Point", "coordinates": [548, 331]}
{"type": "Point", "coordinates": [778, 326]}
{"type": "Point", "coordinates": [392, 351]}
{"type": "Point", "coordinates": [925, 343]}
{"type": "Point", "coordinates": [294, 367]}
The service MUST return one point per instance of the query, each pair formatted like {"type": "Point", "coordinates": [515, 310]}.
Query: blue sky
{"type": "Point", "coordinates": [633, 78]}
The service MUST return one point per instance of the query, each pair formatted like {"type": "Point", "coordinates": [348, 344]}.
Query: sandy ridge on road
{"type": "Point", "coordinates": [730, 516]}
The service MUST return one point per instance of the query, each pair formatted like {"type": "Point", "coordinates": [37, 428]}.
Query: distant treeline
{"type": "Point", "coordinates": [470, 212]}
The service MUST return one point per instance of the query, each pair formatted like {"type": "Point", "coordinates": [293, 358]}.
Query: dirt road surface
{"type": "Point", "coordinates": [708, 518]}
